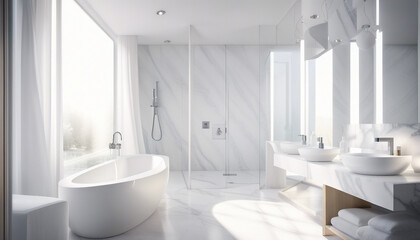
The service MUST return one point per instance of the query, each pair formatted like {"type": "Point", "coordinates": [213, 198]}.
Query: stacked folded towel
{"type": "Point", "coordinates": [393, 226]}
{"type": "Point", "coordinates": [351, 219]}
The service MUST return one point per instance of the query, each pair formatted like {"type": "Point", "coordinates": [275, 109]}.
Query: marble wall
{"type": "Point", "coordinates": [229, 86]}
{"type": "Point", "coordinates": [400, 84]}
{"type": "Point", "coordinates": [208, 103]}
{"type": "Point", "coordinates": [243, 83]}
{"type": "Point", "coordinates": [169, 66]}
{"type": "Point", "coordinates": [360, 137]}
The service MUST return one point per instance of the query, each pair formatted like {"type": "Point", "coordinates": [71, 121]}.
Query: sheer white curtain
{"type": "Point", "coordinates": [127, 114]}
{"type": "Point", "coordinates": [35, 132]}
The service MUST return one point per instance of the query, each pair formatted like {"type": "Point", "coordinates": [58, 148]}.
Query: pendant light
{"type": "Point", "coordinates": [365, 39]}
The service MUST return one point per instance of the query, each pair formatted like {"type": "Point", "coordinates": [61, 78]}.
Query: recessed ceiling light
{"type": "Point", "coordinates": [315, 16]}
{"type": "Point", "coordinates": [365, 26]}
{"type": "Point", "coordinates": [167, 41]}
{"type": "Point", "coordinates": [337, 40]}
{"type": "Point", "coordinates": [160, 12]}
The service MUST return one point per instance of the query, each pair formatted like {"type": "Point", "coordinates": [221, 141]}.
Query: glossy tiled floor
{"type": "Point", "coordinates": [237, 212]}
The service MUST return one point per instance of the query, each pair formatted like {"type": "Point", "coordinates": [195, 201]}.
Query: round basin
{"type": "Point", "coordinates": [290, 147]}
{"type": "Point", "coordinates": [375, 164]}
{"type": "Point", "coordinates": [313, 154]}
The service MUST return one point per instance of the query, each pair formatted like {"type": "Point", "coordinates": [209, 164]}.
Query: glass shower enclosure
{"type": "Point", "coordinates": [228, 110]}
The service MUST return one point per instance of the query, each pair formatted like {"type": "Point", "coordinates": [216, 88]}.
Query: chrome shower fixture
{"type": "Point", "coordinates": [155, 105]}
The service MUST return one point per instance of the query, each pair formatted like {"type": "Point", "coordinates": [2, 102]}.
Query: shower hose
{"type": "Point", "coordinates": [155, 115]}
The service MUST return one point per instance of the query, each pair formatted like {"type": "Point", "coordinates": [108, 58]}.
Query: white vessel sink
{"type": "Point", "coordinates": [290, 147]}
{"type": "Point", "coordinates": [313, 154]}
{"type": "Point", "coordinates": [375, 164]}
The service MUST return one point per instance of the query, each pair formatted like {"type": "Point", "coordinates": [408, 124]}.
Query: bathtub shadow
{"type": "Point", "coordinates": [150, 229]}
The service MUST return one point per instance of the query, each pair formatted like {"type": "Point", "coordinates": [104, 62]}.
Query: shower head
{"type": "Point", "coordinates": [155, 96]}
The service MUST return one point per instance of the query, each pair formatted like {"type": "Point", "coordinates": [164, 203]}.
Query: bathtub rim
{"type": "Point", "coordinates": [67, 182]}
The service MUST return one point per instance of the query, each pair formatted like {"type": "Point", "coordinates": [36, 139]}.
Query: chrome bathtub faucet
{"type": "Point", "coordinates": [390, 141]}
{"type": "Point", "coordinates": [114, 145]}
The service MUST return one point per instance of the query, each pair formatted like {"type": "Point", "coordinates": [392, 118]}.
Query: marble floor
{"type": "Point", "coordinates": [215, 179]}
{"type": "Point", "coordinates": [237, 212]}
{"type": "Point", "coordinates": [306, 197]}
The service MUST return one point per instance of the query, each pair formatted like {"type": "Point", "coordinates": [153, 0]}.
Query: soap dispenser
{"type": "Point", "coordinates": [321, 143]}
{"type": "Point", "coordinates": [344, 148]}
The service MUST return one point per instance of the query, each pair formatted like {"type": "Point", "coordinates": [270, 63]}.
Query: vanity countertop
{"type": "Point", "coordinates": [395, 193]}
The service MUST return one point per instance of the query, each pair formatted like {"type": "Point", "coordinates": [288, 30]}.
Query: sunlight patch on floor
{"type": "Point", "coordinates": [246, 219]}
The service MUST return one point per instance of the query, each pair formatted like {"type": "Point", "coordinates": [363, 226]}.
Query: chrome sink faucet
{"type": "Point", "coordinates": [390, 141]}
{"type": "Point", "coordinates": [303, 138]}
{"type": "Point", "coordinates": [114, 145]}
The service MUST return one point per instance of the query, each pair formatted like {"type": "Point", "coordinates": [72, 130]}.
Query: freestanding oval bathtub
{"type": "Point", "coordinates": [113, 197]}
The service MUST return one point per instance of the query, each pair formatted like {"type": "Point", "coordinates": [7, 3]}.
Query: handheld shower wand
{"type": "Point", "coordinates": [155, 105]}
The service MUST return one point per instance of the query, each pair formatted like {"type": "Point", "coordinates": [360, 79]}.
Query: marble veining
{"type": "Point", "coordinates": [400, 84]}
{"type": "Point", "coordinates": [208, 102]}
{"type": "Point", "coordinates": [405, 135]}
{"type": "Point", "coordinates": [169, 66]}
{"type": "Point", "coordinates": [243, 107]}
{"type": "Point", "coordinates": [229, 86]}
{"type": "Point", "coordinates": [396, 193]}
{"type": "Point", "coordinates": [361, 137]}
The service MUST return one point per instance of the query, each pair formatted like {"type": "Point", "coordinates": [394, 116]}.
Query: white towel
{"type": "Point", "coordinates": [361, 231]}
{"type": "Point", "coordinates": [396, 222]}
{"type": "Point", "coordinates": [359, 216]}
{"type": "Point", "coordinates": [369, 233]}
{"type": "Point", "coordinates": [345, 227]}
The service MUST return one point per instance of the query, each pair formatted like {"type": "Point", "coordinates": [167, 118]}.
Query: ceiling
{"type": "Point", "coordinates": [212, 21]}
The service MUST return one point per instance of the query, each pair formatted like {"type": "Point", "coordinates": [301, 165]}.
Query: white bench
{"type": "Point", "coordinates": [39, 218]}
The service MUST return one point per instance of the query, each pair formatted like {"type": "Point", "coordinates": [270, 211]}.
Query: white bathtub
{"type": "Point", "coordinates": [113, 197]}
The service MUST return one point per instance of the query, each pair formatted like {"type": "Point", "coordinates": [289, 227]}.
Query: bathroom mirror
{"type": "Point", "coordinates": [388, 77]}
{"type": "Point", "coordinates": [369, 84]}
{"type": "Point", "coordinates": [399, 25]}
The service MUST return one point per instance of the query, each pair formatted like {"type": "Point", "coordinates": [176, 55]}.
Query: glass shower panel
{"type": "Point", "coordinates": [243, 105]}
{"type": "Point", "coordinates": [225, 113]}
{"type": "Point", "coordinates": [208, 114]}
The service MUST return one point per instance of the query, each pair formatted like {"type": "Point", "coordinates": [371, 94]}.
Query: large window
{"type": "Point", "coordinates": [88, 86]}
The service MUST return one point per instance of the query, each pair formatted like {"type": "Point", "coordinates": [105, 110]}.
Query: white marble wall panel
{"type": "Point", "coordinates": [243, 107]}
{"type": "Point", "coordinates": [407, 136]}
{"type": "Point", "coordinates": [169, 66]}
{"type": "Point", "coordinates": [400, 84]}
{"type": "Point", "coordinates": [341, 90]}
{"type": "Point", "coordinates": [230, 85]}
{"type": "Point", "coordinates": [208, 103]}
